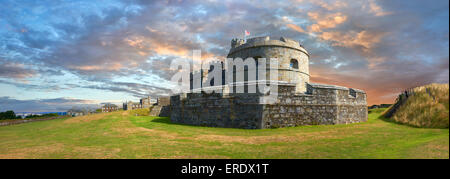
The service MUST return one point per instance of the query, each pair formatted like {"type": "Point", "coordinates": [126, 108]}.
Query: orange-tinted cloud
{"type": "Point", "coordinates": [375, 9]}
{"type": "Point", "coordinates": [15, 70]}
{"type": "Point", "coordinates": [325, 21]}
{"type": "Point", "coordinates": [374, 62]}
{"type": "Point", "coordinates": [137, 42]}
{"type": "Point", "coordinates": [295, 27]}
{"type": "Point", "coordinates": [146, 46]}
{"type": "Point", "coordinates": [108, 67]}
{"type": "Point", "coordinates": [330, 6]}
{"type": "Point", "coordinates": [363, 39]}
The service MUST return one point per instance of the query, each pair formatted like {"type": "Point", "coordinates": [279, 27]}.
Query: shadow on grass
{"type": "Point", "coordinates": [166, 120]}
{"type": "Point", "coordinates": [381, 111]}
{"type": "Point", "coordinates": [389, 120]}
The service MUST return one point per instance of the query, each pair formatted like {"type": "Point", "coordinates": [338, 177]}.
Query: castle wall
{"type": "Point", "coordinates": [293, 109]}
{"type": "Point", "coordinates": [216, 110]}
{"type": "Point", "coordinates": [161, 108]}
{"type": "Point", "coordinates": [322, 105]}
{"type": "Point", "coordinates": [352, 107]}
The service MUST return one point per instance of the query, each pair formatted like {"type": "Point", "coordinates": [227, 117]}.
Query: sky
{"type": "Point", "coordinates": [56, 54]}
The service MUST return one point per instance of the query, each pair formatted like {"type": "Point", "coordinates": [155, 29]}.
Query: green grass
{"type": "Point", "coordinates": [121, 135]}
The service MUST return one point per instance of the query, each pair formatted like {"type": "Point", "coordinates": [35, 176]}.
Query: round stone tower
{"type": "Point", "coordinates": [293, 59]}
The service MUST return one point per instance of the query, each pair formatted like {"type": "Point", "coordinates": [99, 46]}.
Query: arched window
{"type": "Point", "coordinates": [294, 64]}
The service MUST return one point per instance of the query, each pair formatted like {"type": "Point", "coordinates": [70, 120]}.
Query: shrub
{"type": "Point", "coordinates": [7, 115]}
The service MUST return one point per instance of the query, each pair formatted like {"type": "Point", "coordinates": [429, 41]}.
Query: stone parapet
{"type": "Point", "coordinates": [266, 41]}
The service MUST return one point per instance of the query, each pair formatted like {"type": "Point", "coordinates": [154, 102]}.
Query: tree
{"type": "Point", "coordinates": [7, 115]}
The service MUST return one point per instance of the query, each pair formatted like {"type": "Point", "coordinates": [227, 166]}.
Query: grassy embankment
{"type": "Point", "coordinates": [425, 106]}
{"type": "Point", "coordinates": [124, 135]}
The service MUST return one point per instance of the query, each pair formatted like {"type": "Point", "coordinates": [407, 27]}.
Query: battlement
{"type": "Point", "coordinates": [239, 44]}
{"type": "Point", "coordinates": [236, 42]}
{"type": "Point", "coordinates": [325, 86]}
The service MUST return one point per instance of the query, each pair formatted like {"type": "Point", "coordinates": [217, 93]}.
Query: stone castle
{"type": "Point", "coordinates": [298, 102]}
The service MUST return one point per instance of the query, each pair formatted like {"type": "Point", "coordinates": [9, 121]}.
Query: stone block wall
{"type": "Point", "coordinates": [216, 110]}
{"type": "Point", "coordinates": [322, 104]}
{"type": "Point", "coordinates": [163, 101]}
{"type": "Point", "coordinates": [161, 108]}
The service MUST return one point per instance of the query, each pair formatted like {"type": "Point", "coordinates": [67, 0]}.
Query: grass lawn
{"type": "Point", "coordinates": [119, 135]}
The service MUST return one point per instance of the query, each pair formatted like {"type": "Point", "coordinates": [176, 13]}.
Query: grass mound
{"type": "Point", "coordinates": [425, 106]}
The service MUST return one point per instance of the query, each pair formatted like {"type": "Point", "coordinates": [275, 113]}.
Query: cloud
{"type": "Point", "coordinates": [103, 67]}
{"type": "Point", "coordinates": [325, 21]}
{"type": "Point", "coordinates": [365, 39]}
{"type": "Point", "coordinates": [15, 70]}
{"type": "Point", "coordinates": [330, 6]}
{"type": "Point", "coordinates": [295, 27]}
{"type": "Point", "coordinates": [376, 9]}
{"type": "Point", "coordinates": [138, 90]}
{"type": "Point", "coordinates": [44, 105]}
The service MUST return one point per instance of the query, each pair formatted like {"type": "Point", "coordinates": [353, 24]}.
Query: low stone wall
{"type": "Point", "coordinates": [322, 104]}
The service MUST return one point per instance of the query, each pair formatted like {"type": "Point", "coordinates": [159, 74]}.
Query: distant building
{"type": "Point", "coordinates": [109, 107]}
{"type": "Point", "coordinates": [146, 102]}
{"type": "Point", "coordinates": [157, 107]}
{"type": "Point", "coordinates": [130, 105]}
{"type": "Point", "coordinates": [143, 103]}
{"type": "Point", "coordinates": [76, 112]}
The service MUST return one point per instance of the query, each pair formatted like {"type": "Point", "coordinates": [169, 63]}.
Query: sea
{"type": "Point", "coordinates": [24, 114]}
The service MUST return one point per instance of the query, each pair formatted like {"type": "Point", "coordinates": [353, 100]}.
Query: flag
{"type": "Point", "coordinates": [247, 33]}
